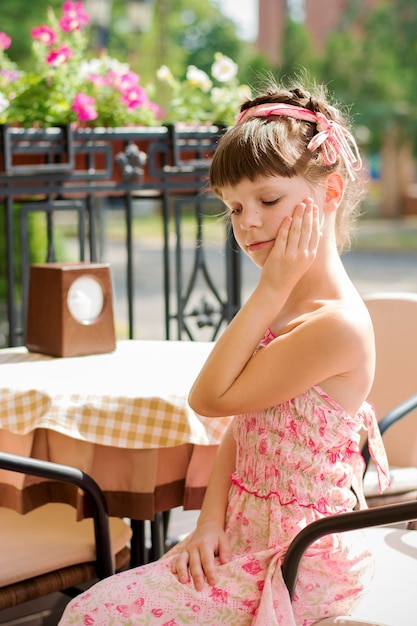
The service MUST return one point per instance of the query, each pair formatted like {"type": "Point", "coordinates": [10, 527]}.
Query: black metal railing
{"type": "Point", "coordinates": [63, 170]}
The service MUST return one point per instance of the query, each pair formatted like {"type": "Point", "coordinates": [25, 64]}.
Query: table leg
{"type": "Point", "coordinates": [138, 552]}
{"type": "Point", "coordinates": [158, 536]}
{"type": "Point", "coordinates": [167, 516]}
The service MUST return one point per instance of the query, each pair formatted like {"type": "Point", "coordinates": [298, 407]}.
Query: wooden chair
{"type": "Point", "coordinates": [394, 394]}
{"type": "Point", "coordinates": [47, 550]}
{"type": "Point", "coordinates": [390, 600]}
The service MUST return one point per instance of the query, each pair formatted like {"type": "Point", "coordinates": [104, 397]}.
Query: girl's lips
{"type": "Point", "coordinates": [259, 245]}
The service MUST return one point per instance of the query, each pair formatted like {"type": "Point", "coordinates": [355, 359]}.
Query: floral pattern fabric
{"type": "Point", "coordinates": [296, 462]}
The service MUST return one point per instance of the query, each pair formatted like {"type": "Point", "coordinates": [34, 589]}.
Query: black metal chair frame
{"type": "Point", "coordinates": [343, 522]}
{"type": "Point", "coordinates": [74, 476]}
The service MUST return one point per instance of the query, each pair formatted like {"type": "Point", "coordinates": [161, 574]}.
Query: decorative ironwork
{"type": "Point", "coordinates": [211, 309]}
{"type": "Point", "coordinates": [131, 163]}
{"type": "Point", "coordinates": [64, 169]}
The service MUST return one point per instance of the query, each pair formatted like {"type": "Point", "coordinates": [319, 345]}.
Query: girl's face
{"type": "Point", "coordinates": [257, 208]}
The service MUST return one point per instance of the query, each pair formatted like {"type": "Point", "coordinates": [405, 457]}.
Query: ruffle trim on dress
{"type": "Point", "coordinates": [321, 505]}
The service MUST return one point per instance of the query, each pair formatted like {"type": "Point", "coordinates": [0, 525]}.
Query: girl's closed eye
{"type": "Point", "coordinates": [271, 202]}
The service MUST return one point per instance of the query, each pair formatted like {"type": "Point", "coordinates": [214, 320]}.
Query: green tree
{"type": "Point", "coordinates": [370, 67]}
{"type": "Point", "coordinates": [371, 64]}
{"type": "Point", "coordinates": [298, 52]}
{"type": "Point", "coordinates": [182, 33]}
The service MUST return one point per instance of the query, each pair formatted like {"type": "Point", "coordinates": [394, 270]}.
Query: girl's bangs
{"type": "Point", "coordinates": [247, 155]}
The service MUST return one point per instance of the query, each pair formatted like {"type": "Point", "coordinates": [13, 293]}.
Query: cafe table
{"type": "Point", "coordinates": [122, 417]}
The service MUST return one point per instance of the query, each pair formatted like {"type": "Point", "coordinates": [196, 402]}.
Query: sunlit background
{"type": "Point", "coordinates": [366, 52]}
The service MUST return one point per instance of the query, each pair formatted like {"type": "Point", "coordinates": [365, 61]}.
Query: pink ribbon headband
{"type": "Point", "coordinates": [332, 137]}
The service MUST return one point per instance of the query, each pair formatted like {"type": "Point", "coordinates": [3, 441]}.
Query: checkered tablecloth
{"type": "Point", "coordinates": [135, 397]}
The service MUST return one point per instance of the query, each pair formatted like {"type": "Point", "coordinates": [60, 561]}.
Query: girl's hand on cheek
{"type": "Point", "coordinates": [295, 246]}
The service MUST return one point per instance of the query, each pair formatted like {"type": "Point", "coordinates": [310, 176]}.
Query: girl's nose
{"type": "Point", "coordinates": [250, 217]}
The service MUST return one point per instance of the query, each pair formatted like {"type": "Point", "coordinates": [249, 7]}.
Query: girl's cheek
{"type": "Point", "coordinates": [281, 221]}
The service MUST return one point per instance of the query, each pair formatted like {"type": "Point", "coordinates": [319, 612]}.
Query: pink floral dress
{"type": "Point", "coordinates": [296, 462]}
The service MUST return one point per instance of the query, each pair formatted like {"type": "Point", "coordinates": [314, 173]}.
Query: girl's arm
{"type": "Point", "coordinates": [229, 379]}
{"type": "Point", "coordinates": [209, 539]}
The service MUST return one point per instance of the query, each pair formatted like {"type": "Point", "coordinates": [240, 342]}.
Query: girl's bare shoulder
{"type": "Point", "coordinates": [341, 317]}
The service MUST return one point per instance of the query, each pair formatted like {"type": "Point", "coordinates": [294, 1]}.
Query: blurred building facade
{"type": "Point", "coordinates": [320, 16]}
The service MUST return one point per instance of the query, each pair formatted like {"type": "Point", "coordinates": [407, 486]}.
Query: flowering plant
{"type": "Point", "coordinates": [203, 98]}
{"type": "Point", "coordinates": [64, 87]}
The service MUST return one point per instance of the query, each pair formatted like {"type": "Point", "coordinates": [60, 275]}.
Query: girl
{"type": "Point", "coordinates": [295, 367]}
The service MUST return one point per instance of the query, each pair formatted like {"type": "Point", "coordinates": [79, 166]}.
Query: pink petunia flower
{"type": "Point", "coordinates": [5, 41]}
{"type": "Point", "coordinates": [74, 16]}
{"type": "Point", "coordinates": [121, 82]}
{"type": "Point", "coordinates": [83, 106]}
{"type": "Point", "coordinates": [98, 80]}
{"type": "Point", "coordinates": [126, 81]}
{"type": "Point", "coordinates": [77, 8]}
{"type": "Point", "coordinates": [156, 109]}
{"type": "Point", "coordinates": [10, 76]}
{"type": "Point", "coordinates": [134, 97]}
{"type": "Point", "coordinates": [59, 56]}
{"type": "Point", "coordinates": [45, 34]}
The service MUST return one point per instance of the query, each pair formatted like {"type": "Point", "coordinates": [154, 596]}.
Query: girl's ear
{"type": "Point", "coordinates": [334, 192]}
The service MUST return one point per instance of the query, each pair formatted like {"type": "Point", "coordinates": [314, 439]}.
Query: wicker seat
{"type": "Point", "coordinates": [48, 550]}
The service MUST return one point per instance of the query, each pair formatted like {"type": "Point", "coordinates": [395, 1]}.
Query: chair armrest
{"type": "Point", "coordinates": [389, 419]}
{"type": "Point", "coordinates": [377, 516]}
{"type": "Point", "coordinates": [68, 474]}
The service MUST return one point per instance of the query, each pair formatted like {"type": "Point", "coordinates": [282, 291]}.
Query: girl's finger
{"type": "Point", "coordinates": [306, 226]}
{"type": "Point", "coordinates": [209, 567]}
{"type": "Point", "coordinates": [180, 567]}
{"type": "Point", "coordinates": [295, 231]}
{"type": "Point", "coordinates": [196, 570]}
{"type": "Point", "coordinates": [316, 229]}
{"type": "Point", "coordinates": [281, 240]}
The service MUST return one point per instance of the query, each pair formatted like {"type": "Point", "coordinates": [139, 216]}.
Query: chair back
{"type": "Point", "coordinates": [394, 316]}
